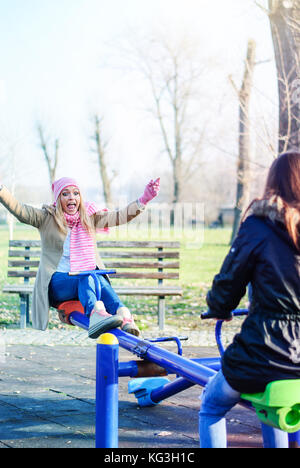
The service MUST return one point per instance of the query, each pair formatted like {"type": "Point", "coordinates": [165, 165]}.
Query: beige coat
{"type": "Point", "coordinates": [52, 241]}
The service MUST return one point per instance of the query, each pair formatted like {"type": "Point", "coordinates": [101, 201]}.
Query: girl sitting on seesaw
{"type": "Point", "coordinates": [68, 244]}
{"type": "Point", "coordinates": [266, 254]}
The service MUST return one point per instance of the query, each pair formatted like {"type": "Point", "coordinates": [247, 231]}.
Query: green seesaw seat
{"type": "Point", "coordinates": [279, 405]}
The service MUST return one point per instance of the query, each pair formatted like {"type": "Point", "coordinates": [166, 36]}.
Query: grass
{"type": "Point", "coordinates": [200, 261]}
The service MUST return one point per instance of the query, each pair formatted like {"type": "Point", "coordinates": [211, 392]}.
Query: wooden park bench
{"type": "Point", "coordinates": [144, 265]}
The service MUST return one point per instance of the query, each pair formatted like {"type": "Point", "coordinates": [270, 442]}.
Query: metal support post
{"type": "Point", "coordinates": [161, 312]}
{"type": "Point", "coordinates": [107, 404]}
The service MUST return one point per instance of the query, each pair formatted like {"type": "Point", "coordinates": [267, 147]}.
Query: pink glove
{"type": "Point", "coordinates": [150, 192]}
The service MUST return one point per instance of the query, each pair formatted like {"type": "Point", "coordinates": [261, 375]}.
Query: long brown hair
{"type": "Point", "coordinates": [283, 182]}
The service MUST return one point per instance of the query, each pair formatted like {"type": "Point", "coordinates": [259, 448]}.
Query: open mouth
{"type": "Point", "coordinates": [71, 206]}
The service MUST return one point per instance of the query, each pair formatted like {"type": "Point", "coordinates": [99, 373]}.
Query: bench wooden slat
{"type": "Point", "coordinates": [35, 264]}
{"type": "Point", "coordinates": [125, 274]}
{"type": "Point", "coordinates": [121, 290]}
{"type": "Point", "coordinates": [22, 273]}
{"type": "Point", "coordinates": [37, 253]}
{"type": "Point", "coordinates": [146, 291]}
{"type": "Point", "coordinates": [25, 288]}
{"type": "Point", "coordinates": [139, 244]}
{"type": "Point", "coordinates": [24, 263]}
{"type": "Point", "coordinates": [123, 254]}
{"type": "Point", "coordinates": [24, 243]}
{"type": "Point", "coordinates": [106, 244]}
{"type": "Point", "coordinates": [24, 253]}
{"type": "Point", "coordinates": [165, 265]}
{"type": "Point", "coordinates": [146, 275]}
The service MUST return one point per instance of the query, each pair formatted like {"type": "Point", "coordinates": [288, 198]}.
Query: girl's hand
{"type": "Point", "coordinates": [150, 192]}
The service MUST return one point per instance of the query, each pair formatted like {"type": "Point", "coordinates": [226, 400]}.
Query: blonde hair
{"type": "Point", "coordinates": [60, 219]}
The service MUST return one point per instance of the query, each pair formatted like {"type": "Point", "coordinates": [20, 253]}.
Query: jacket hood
{"type": "Point", "coordinates": [271, 208]}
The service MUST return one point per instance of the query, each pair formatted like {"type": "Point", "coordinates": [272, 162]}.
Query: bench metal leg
{"type": "Point", "coordinates": [161, 312]}
{"type": "Point", "coordinates": [24, 310]}
{"type": "Point", "coordinates": [28, 309]}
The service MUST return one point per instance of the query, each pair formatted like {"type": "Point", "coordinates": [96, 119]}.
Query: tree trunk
{"type": "Point", "coordinates": [285, 28]}
{"type": "Point", "coordinates": [51, 162]}
{"type": "Point", "coordinates": [100, 148]}
{"type": "Point", "coordinates": [243, 165]}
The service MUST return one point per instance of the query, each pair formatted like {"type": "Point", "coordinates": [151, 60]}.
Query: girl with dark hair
{"type": "Point", "coordinates": [266, 254]}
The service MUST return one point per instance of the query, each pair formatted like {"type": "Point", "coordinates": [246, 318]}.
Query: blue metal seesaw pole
{"type": "Point", "coordinates": [108, 371]}
{"type": "Point", "coordinates": [106, 421]}
{"type": "Point", "coordinates": [191, 372]}
{"type": "Point", "coordinates": [173, 363]}
{"type": "Point", "coordinates": [107, 395]}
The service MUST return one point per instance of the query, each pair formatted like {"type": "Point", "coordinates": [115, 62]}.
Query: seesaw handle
{"type": "Point", "coordinates": [209, 314]}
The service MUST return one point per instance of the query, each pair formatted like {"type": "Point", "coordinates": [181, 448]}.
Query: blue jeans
{"type": "Point", "coordinates": [64, 287]}
{"type": "Point", "coordinates": [217, 399]}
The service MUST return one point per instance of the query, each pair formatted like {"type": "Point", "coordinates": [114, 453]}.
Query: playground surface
{"type": "Point", "coordinates": [47, 400]}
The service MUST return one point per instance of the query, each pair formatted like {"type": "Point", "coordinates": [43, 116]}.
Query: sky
{"type": "Point", "coordinates": [52, 70]}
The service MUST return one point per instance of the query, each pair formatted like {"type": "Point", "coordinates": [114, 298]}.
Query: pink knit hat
{"type": "Point", "coordinates": [61, 184]}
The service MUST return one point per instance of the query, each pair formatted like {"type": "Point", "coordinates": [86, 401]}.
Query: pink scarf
{"type": "Point", "coordinates": [82, 243]}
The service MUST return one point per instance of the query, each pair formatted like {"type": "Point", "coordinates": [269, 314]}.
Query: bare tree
{"type": "Point", "coordinates": [284, 18]}
{"type": "Point", "coordinates": [172, 72]}
{"type": "Point", "coordinates": [101, 146]}
{"type": "Point", "coordinates": [243, 165]}
{"type": "Point", "coordinates": [50, 160]}
{"type": "Point", "coordinates": [11, 140]}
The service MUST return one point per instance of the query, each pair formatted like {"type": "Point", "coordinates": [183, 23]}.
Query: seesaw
{"type": "Point", "coordinates": [278, 406]}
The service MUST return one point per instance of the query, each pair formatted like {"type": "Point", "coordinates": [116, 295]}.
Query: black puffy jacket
{"type": "Point", "coordinates": [268, 345]}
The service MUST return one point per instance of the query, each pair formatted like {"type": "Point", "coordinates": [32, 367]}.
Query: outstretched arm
{"type": "Point", "coordinates": [105, 219]}
{"type": "Point", "coordinates": [24, 213]}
